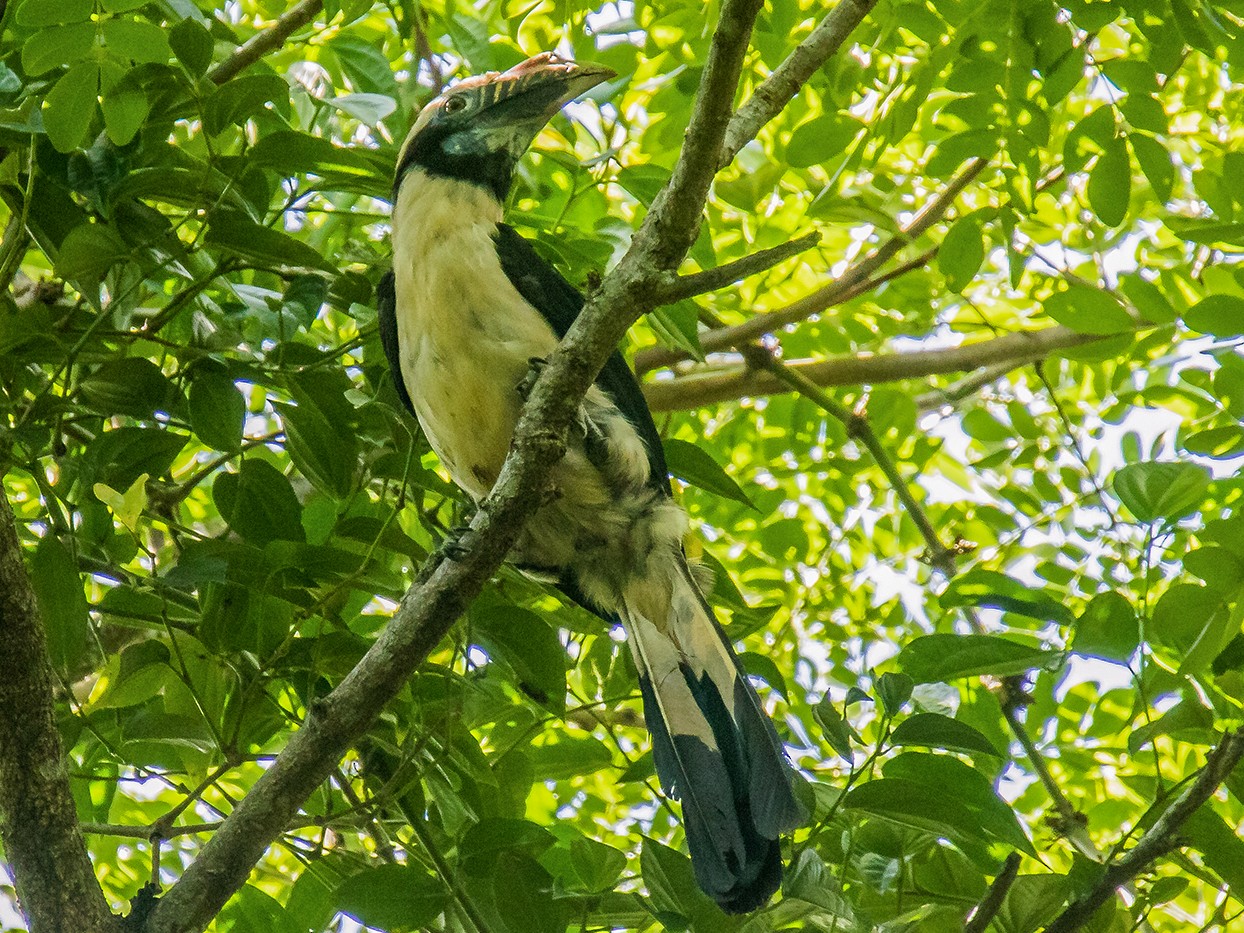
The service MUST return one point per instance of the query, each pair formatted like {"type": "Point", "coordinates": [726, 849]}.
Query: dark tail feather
{"type": "Point", "coordinates": [714, 748]}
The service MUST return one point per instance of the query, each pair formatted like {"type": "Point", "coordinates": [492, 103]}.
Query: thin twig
{"type": "Point", "coordinates": [706, 387]}
{"type": "Point", "coordinates": [836, 291]}
{"type": "Point", "coordinates": [679, 287]}
{"type": "Point", "coordinates": [989, 906]}
{"type": "Point", "coordinates": [1161, 838]}
{"type": "Point", "coordinates": [260, 44]}
{"type": "Point", "coordinates": [776, 91]}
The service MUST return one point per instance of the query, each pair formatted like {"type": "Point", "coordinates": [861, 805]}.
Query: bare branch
{"type": "Point", "coordinates": [837, 291]}
{"type": "Point", "coordinates": [988, 908]}
{"type": "Point", "coordinates": [446, 587]}
{"type": "Point", "coordinates": [260, 44]}
{"type": "Point", "coordinates": [1160, 839]}
{"type": "Point", "coordinates": [42, 839]}
{"type": "Point", "coordinates": [676, 288]}
{"type": "Point", "coordinates": [776, 91]}
{"type": "Point", "coordinates": [706, 388]}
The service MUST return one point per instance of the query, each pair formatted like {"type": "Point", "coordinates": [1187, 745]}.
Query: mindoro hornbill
{"type": "Point", "coordinates": [469, 304]}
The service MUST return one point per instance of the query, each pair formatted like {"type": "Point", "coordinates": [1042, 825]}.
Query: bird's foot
{"type": "Point", "coordinates": [536, 366]}
{"type": "Point", "coordinates": [457, 542]}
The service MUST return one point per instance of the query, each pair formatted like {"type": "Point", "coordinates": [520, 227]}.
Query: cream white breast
{"type": "Point", "coordinates": [465, 332]}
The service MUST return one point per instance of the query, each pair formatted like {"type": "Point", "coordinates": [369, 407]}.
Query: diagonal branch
{"type": "Point", "coordinates": [42, 839]}
{"type": "Point", "coordinates": [1160, 839]}
{"type": "Point", "coordinates": [445, 587]}
{"type": "Point", "coordinates": [837, 291]}
{"type": "Point", "coordinates": [678, 287]}
{"type": "Point", "coordinates": [1010, 350]}
{"type": "Point", "coordinates": [776, 91]}
{"type": "Point", "coordinates": [260, 44]}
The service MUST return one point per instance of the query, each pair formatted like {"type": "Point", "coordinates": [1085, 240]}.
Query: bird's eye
{"type": "Point", "coordinates": [454, 104]}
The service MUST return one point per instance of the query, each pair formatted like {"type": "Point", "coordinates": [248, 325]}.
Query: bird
{"type": "Point", "coordinates": [466, 311]}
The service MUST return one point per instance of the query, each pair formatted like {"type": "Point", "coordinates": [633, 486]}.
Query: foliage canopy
{"type": "Point", "coordinates": [221, 501]}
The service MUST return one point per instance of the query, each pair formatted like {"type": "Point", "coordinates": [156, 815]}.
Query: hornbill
{"type": "Point", "coordinates": [467, 309]}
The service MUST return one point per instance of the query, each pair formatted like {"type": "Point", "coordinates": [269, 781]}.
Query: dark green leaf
{"type": "Point", "coordinates": [240, 99]}
{"type": "Point", "coordinates": [894, 689]}
{"type": "Point", "coordinates": [838, 732]}
{"type": "Point", "coordinates": [364, 64]}
{"type": "Point", "coordinates": [1155, 162]}
{"type": "Point", "coordinates": [62, 604]}
{"type": "Point", "coordinates": [392, 897]}
{"type": "Point", "coordinates": [1110, 183]}
{"type": "Point", "coordinates": [259, 503]}
{"type": "Point", "coordinates": [569, 757]}
{"type": "Point", "coordinates": [58, 45]}
{"type": "Point", "coordinates": [325, 454]}
{"type": "Point", "coordinates": [762, 666]}
{"type": "Point", "coordinates": [488, 839]}
{"type": "Point", "coordinates": [1147, 298]}
{"type": "Point", "coordinates": [1157, 491]}
{"type": "Point", "coordinates": [529, 645]}
{"type": "Point", "coordinates": [235, 233]}
{"type": "Point", "coordinates": [934, 658]}
{"type": "Point", "coordinates": [691, 464]}
{"type": "Point", "coordinates": [133, 386]}
{"type": "Point", "coordinates": [671, 886]}
{"type": "Point", "coordinates": [993, 590]}
{"type": "Point", "coordinates": [1219, 845]}
{"type": "Point", "coordinates": [193, 46]}
{"type": "Point", "coordinates": [89, 251]}
{"type": "Point", "coordinates": [932, 730]}
{"type": "Point", "coordinates": [217, 410]}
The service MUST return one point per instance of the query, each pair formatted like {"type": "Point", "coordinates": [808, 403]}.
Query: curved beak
{"type": "Point", "coordinates": [518, 103]}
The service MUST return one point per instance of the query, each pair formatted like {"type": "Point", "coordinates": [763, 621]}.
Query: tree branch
{"type": "Point", "coordinates": [260, 44]}
{"type": "Point", "coordinates": [776, 91]}
{"type": "Point", "coordinates": [1011, 350]}
{"type": "Point", "coordinates": [446, 587]}
{"type": "Point", "coordinates": [1160, 839]}
{"type": "Point", "coordinates": [678, 287]}
{"type": "Point", "coordinates": [42, 839]}
{"type": "Point", "coordinates": [844, 287]}
{"type": "Point", "coordinates": [989, 906]}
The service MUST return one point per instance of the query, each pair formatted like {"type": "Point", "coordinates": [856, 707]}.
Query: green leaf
{"type": "Point", "coordinates": [1108, 629]}
{"type": "Point", "coordinates": [820, 139]}
{"type": "Point", "coordinates": [1088, 311]}
{"type": "Point", "coordinates": [838, 732]}
{"type": "Point", "coordinates": [1217, 841]}
{"type": "Point", "coordinates": [677, 326]}
{"type": "Point", "coordinates": [529, 645]}
{"type": "Point", "coordinates": [241, 98]}
{"type": "Point", "coordinates": [122, 6]}
{"type": "Point", "coordinates": [598, 866]}
{"type": "Point", "coordinates": [995, 590]}
{"type": "Point", "coordinates": [290, 152]}
{"type": "Point", "coordinates": [1032, 901]}
{"type": "Point", "coordinates": [1155, 162]}
{"type": "Point", "coordinates": [325, 454]}
{"type": "Point", "coordinates": [762, 666]}
{"type": "Point", "coordinates": [1219, 315]}
{"type": "Point", "coordinates": [56, 46]}
{"type": "Point", "coordinates": [691, 464]}
{"type": "Point", "coordinates": [69, 106]}
{"type": "Point", "coordinates": [237, 234]}
{"type": "Point", "coordinates": [136, 40]}
{"type": "Point", "coordinates": [217, 410]}
{"type": "Point", "coordinates": [1110, 183]}
{"type": "Point", "coordinates": [117, 457]}
{"type": "Point", "coordinates": [894, 689]}
{"type": "Point", "coordinates": [672, 889]}
{"type": "Point", "coordinates": [1147, 298]}
{"type": "Point", "coordinates": [126, 506]}
{"type": "Point", "coordinates": [934, 658]}
{"type": "Point", "coordinates": [364, 64]}
{"type": "Point", "coordinates": [366, 108]}
{"type": "Point", "coordinates": [131, 386]}
{"type": "Point", "coordinates": [62, 603]}
{"type": "Point", "coordinates": [1157, 491]}
{"type": "Point", "coordinates": [523, 890]}
{"type": "Point", "coordinates": [193, 46]}
{"type": "Point", "coordinates": [570, 756]}
{"type": "Point", "coordinates": [962, 252]}
{"type": "Point", "coordinates": [89, 251]}
{"type": "Point", "coordinates": [125, 107]}
{"type": "Point", "coordinates": [259, 503]}
{"type": "Point", "coordinates": [485, 842]}
{"type": "Point", "coordinates": [392, 897]}
{"type": "Point", "coordinates": [53, 12]}
{"type": "Point", "coordinates": [253, 909]}
{"type": "Point", "coordinates": [933, 730]}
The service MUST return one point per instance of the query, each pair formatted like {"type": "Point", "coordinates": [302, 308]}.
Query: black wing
{"type": "Point", "coordinates": [386, 307]}
{"type": "Point", "coordinates": [559, 303]}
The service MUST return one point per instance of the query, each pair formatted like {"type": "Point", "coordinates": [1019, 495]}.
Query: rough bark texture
{"type": "Point", "coordinates": [42, 840]}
